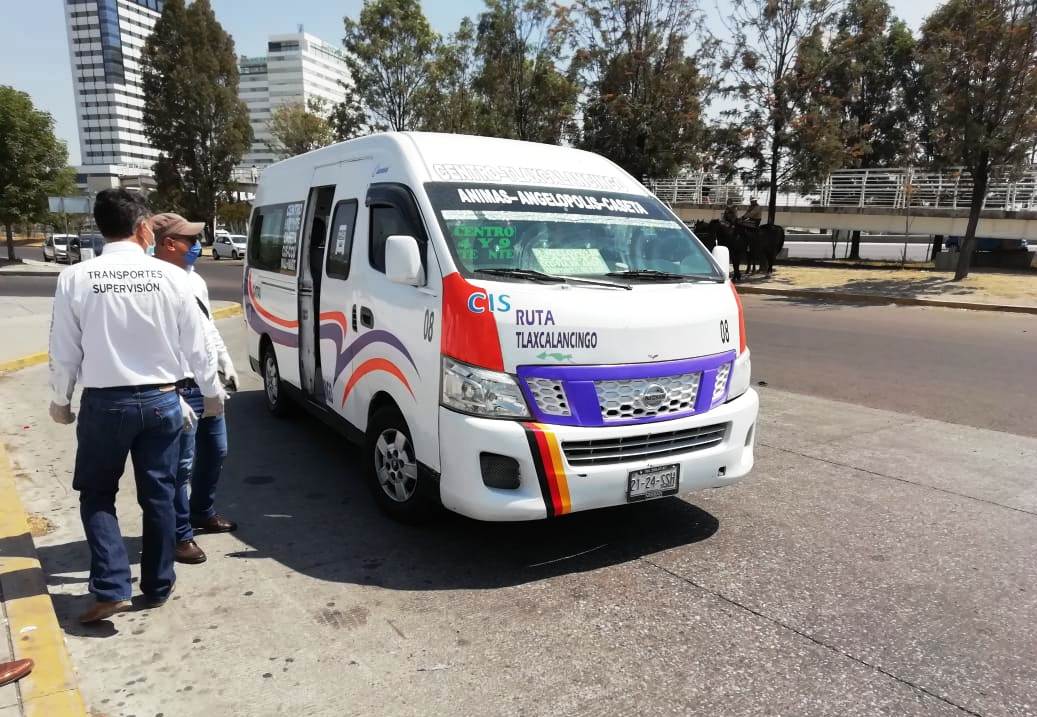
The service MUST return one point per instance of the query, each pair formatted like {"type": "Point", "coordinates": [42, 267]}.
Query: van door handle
{"type": "Point", "coordinates": [366, 317]}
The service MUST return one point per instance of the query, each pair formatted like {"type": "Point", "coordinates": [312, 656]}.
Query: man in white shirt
{"type": "Point", "coordinates": [123, 324]}
{"type": "Point", "coordinates": [203, 447]}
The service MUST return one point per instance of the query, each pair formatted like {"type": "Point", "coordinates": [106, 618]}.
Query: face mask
{"type": "Point", "coordinates": [193, 253]}
{"type": "Point", "coordinates": [150, 251]}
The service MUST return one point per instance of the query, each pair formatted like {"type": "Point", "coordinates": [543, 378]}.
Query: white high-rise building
{"type": "Point", "coordinates": [297, 68]}
{"type": "Point", "coordinates": [105, 41]}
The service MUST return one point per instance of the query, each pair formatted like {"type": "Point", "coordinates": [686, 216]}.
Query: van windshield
{"type": "Point", "coordinates": [527, 232]}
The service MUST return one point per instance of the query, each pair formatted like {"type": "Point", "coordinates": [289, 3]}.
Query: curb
{"type": "Point", "coordinates": [29, 272]}
{"type": "Point", "coordinates": [847, 296]}
{"type": "Point", "coordinates": [23, 362]}
{"type": "Point", "coordinates": [227, 312]}
{"type": "Point", "coordinates": [50, 690]}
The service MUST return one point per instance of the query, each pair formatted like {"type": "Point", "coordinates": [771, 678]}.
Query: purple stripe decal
{"type": "Point", "coordinates": [578, 383]}
{"type": "Point", "coordinates": [365, 340]}
{"type": "Point", "coordinates": [278, 336]}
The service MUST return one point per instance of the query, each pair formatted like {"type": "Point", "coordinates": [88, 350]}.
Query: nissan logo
{"type": "Point", "coordinates": [653, 396]}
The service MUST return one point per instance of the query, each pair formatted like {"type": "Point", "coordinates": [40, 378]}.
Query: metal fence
{"type": "Point", "coordinates": [949, 188]}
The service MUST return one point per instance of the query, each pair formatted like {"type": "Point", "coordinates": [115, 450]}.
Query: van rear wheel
{"type": "Point", "coordinates": [273, 388]}
{"type": "Point", "coordinates": [398, 485]}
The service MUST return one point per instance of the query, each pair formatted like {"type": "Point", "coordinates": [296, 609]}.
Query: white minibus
{"type": "Point", "coordinates": [511, 330]}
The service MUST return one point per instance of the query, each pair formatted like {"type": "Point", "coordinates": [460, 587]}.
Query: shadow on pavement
{"type": "Point", "coordinates": [295, 488]}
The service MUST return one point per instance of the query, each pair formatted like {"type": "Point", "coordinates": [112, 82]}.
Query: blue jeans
{"type": "Point", "coordinates": [202, 452]}
{"type": "Point", "coordinates": [145, 424]}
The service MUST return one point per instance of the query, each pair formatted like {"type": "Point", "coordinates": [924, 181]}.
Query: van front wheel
{"type": "Point", "coordinates": [392, 466]}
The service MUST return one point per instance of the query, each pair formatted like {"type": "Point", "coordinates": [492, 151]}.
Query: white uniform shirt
{"type": "Point", "coordinates": [126, 319]}
{"type": "Point", "coordinates": [201, 292]}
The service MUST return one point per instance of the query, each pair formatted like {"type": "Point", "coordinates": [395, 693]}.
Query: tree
{"type": "Point", "coordinates": [451, 104]}
{"type": "Point", "coordinates": [644, 109]}
{"type": "Point", "coordinates": [523, 94]}
{"type": "Point", "coordinates": [297, 127]}
{"type": "Point", "coordinates": [857, 113]}
{"type": "Point", "coordinates": [235, 214]}
{"type": "Point", "coordinates": [389, 52]}
{"type": "Point", "coordinates": [347, 118]}
{"type": "Point", "coordinates": [192, 114]}
{"type": "Point", "coordinates": [979, 62]}
{"type": "Point", "coordinates": [760, 57]}
{"type": "Point", "coordinates": [32, 159]}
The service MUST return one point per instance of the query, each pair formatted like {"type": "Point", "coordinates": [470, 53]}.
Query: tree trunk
{"type": "Point", "coordinates": [855, 244]}
{"type": "Point", "coordinates": [937, 245]}
{"type": "Point", "coordinates": [979, 194]}
{"type": "Point", "coordinates": [10, 241]}
{"type": "Point", "coordinates": [772, 201]}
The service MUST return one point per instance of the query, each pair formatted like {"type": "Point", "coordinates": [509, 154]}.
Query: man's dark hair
{"type": "Point", "coordinates": [117, 212]}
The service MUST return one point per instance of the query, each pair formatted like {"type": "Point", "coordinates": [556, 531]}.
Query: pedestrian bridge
{"type": "Point", "coordinates": [908, 201]}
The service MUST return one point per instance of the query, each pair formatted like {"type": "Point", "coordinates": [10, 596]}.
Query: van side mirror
{"type": "Point", "coordinates": [403, 260]}
{"type": "Point", "coordinates": [722, 257]}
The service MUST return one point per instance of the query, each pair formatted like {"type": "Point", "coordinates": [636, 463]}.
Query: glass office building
{"type": "Point", "coordinates": [105, 39]}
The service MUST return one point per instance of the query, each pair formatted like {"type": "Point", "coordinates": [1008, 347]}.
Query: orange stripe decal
{"type": "Point", "coordinates": [375, 364]}
{"type": "Point", "coordinates": [559, 470]}
{"type": "Point", "coordinates": [338, 317]}
{"type": "Point", "coordinates": [266, 314]}
{"type": "Point", "coordinates": [552, 464]}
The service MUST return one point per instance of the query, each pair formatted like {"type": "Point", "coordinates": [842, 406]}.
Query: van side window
{"type": "Point", "coordinates": [340, 241]}
{"type": "Point", "coordinates": [273, 241]}
{"type": "Point", "coordinates": [393, 211]}
{"type": "Point", "coordinates": [385, 221]}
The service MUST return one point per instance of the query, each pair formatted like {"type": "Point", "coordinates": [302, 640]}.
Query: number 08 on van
{"type": "Point", "coordinates": [511, 330]}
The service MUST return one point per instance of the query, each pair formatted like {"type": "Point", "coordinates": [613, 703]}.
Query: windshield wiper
{"type": "Point", "coordinates": [660, 275]}
{"type": "Point", "coordinates": [534, 275]}
{"type": "Point", "coordinates": [530, 274]}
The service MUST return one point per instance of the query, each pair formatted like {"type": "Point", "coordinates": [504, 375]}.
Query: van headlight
{"type": "Point", "coordinates": [481, 392]}
{"type": "Point", "coordinates": [740, 376]}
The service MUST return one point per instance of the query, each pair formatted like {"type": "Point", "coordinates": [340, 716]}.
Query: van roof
{"type": "Point", "coordinates": [470, 158]}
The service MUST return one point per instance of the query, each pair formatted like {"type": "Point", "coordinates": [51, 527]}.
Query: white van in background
{"type": "Point", "coordinates": [515, 330]}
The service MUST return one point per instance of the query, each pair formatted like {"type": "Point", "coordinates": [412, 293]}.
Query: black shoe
{"type": "Point", "coordinates": [152, 602]}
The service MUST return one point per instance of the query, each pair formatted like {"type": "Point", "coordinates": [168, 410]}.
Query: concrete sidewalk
{"type": "Point", "coordinates": [30, 267]}
{"type": "Point", "coordinates": [993, 291]}
{"type": "Point", "coordinates": [874, 563]}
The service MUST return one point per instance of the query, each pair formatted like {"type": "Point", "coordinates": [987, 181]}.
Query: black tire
{"type": "Point", "coordinates": [234, 254]}
{"type": "Point", "coordinates": [273, 386]}
{"type": "Point", "coordinates": [46, 259]}
{"type": "Point", "coordinates": [215, 255]}
{"type": "Point", "coordinates": [416, 496]}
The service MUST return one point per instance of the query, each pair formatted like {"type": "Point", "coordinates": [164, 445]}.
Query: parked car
{"type": "Point", "coordinates": [987, 244]}
{"type": "Point", "coordinates": [229, 245]}
{"type": "Point", "coordinates": [55, 247]}
{"type": "Point", "coordinates": [84, 246]}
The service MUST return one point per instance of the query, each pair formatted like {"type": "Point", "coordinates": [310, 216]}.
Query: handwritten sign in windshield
{"type": "Point", "coordinates": [570, 261]}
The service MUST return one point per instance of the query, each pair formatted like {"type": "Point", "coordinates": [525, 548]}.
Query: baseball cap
{"type": "Point", "coordinates": [169, 224]}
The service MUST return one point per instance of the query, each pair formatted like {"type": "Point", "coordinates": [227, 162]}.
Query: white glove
{"type": "Point", "coordinates": [62, 414]}
{"type": "Point", "coordinates": [213, 406]}
{"type": "Point", "coordinates": [228, 375]}
{"type": "Point", "coordinates": [190, 417]}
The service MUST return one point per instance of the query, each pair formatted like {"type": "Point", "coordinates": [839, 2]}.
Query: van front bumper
{"type": "Point", "coordinates": [550, 485]}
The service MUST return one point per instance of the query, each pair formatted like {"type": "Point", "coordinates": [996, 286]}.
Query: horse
{"type": "Point", "coordinates": [717, 232]}
{"type": "Point", "coordinates": [763, 244]}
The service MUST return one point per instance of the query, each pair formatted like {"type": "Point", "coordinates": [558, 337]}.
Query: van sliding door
{"type": "Point", "coordinates": [311, 270]}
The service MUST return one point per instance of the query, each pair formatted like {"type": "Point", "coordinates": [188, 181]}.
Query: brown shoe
{"type": "Point", "coordinates": [103, 609]}
{"type": "Point", "coordinates": [14, 671]}
{"type": "Point", "coordinates": [215, 524]}
{"type": "Point", "coordinates": [187, 551]}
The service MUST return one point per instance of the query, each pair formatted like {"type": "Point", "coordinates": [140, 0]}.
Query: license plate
{"type": "Point", "coordinates": [653, 482]}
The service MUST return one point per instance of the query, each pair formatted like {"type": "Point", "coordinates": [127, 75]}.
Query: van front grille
{"type": "Point", "coordinates": [607, 451]}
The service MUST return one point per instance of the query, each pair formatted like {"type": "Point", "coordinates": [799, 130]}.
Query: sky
{"type": "Point", "coordinates": [34, 44]}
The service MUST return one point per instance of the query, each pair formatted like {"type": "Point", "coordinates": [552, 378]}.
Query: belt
{"type": "Point", "coordinates": [142, 387]}
{"type": "Point", "coordinates": [186, 383]}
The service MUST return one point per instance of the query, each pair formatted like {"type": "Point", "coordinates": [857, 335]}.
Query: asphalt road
{"type": "Point", "coordinates": [975, 368]}
{"type": "Point", "coordinates": [875, 563]}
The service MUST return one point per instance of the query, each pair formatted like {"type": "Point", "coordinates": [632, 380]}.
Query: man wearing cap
{"type": "Point", "coordinates": [123, 326]}
{"type": "Point", "coordinates": [203, 445]}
